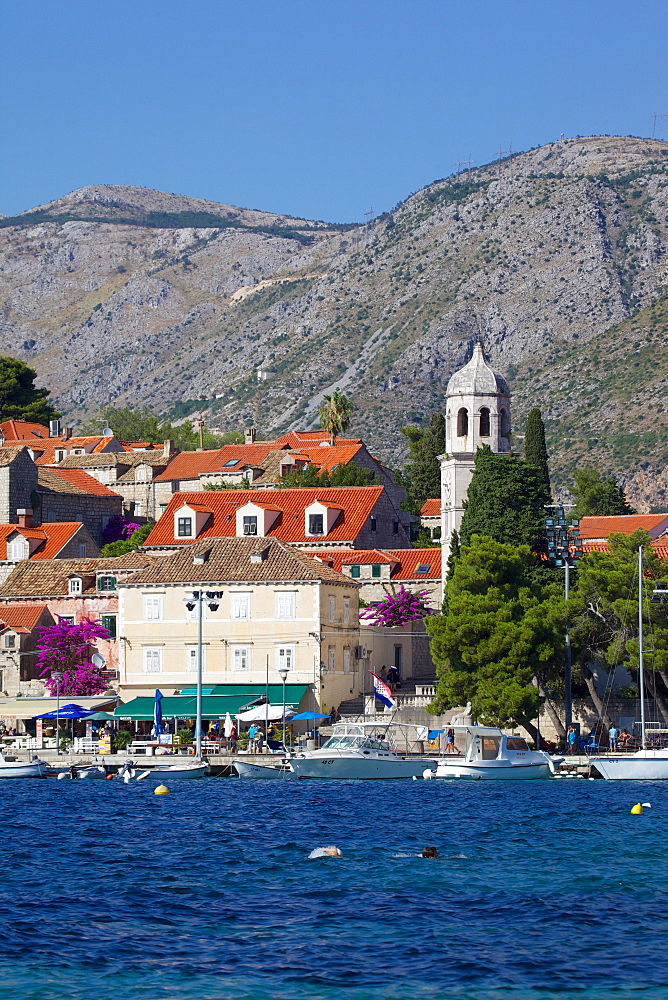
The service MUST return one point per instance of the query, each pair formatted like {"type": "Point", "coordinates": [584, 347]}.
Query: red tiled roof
{"type": "Point", "coordinates": [83, 482]}
{"type": "Point", "coordinates": [54, 535]}
{"type": "Point", "coordinates": [660, 546]}
{"type": "Point", "coordinates": [138, 445]}
{"type": "Point", "coordinates": [404, 562]}
{"type": "Point", "coordinates": [431, 508]}
{"type": "Point", "coordinates": [356, 503]}
{"type": "Point", "coordinates": [295, 439]}
{"type": "Point", "coordinates": [21, 617]}
{"type": "Point", "coordinates": [601, 527]}
{"type": "Point", "coordinates": [23, 430]}
{"type": "Point", "coordinates": [48, 456]}
{"type": "Point", "coordinates": [192, 464]}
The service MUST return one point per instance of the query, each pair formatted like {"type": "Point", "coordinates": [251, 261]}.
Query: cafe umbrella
{"type": "Point", "coordinates": [157, 714]}
{"type": "Point", "coordinates": [71, 711]}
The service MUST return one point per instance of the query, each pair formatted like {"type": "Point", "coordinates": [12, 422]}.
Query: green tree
{"type": "Point", "coordinates": [422, 475]}
{"type": "Point", "coordinates": [502, 635]}
{"type": "Point", "coordinates": [136, 539]}
{"type": "Point", "coordinates": [343, 475]}
{"type": "Point", "coordinates": [505, 501]}
{"type": "Point", "coordinates": [335, 414]}
{"type": "Point", "coordinates": [535, 449]}
{"type": "Point", "coordinates": [596, 496]}
{"type": "Point", "coordinates": [143, 425]}
{"type": "Point", "coordinates": [19, 399]}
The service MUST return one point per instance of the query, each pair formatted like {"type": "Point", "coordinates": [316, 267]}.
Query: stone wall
{"type": "Point", "coordinates": [94, 511]}
{"type": "Point", "coordinates": [18, 481]}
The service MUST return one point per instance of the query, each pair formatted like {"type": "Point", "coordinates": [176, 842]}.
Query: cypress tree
{"type": "Point", "coordinates": [422, 476]}
{"type": "Point", "coordinates": [535, 451]}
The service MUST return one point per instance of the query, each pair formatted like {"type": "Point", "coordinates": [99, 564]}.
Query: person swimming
{"type": "Point", "coordinates": [326, 852]}
{"type": "Point", "coordinates": [429, 851]}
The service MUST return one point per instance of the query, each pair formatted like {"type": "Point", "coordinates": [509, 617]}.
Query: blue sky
{"type": "Point", "coordinates": [316, 109]}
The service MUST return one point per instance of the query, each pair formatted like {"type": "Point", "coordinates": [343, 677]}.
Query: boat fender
{"type": "Point", "coordinates": [636, 810]}
{"type": "Point", "coordinates": [63, 774]}
{"type": "Point", "coordinates": [427, 774]}
{"type": "Point", "coordinates": [143, 775]}
{"type": "Point", "coordinates": [161, 790]}
{"type": "Point", "coordinates": [646, 805]}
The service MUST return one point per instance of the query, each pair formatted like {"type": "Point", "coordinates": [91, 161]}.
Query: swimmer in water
{"type": "Point", "coordinates": [326, 852]}
{"type": "Point", "coordinates": [429, 851]}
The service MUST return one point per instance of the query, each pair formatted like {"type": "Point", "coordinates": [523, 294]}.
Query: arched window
{"type": "Point", "coordinates": [484, 422]}
{"type": "Point", "coordinates": [462, 423]}
{"type": "Point", "coordinates": [505, 423]}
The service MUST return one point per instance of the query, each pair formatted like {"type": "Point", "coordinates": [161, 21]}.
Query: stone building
{"type": "Point", "coordinates": [61, 540]}
{"type": "Point", "coordinates": [477, 412]}
{"type": "Point", "coordinates": [18, 647]}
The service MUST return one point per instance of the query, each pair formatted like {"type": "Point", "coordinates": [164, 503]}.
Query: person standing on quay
{"type": "Point", "coordinates": [613, 734]}
{"type": "Point", "coordinates": [571, 738]}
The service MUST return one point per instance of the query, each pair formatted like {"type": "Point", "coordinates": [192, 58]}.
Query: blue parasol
{"type": "Point", "coordinates": [308, 715]}
{"type": "Point", "coordinates": [67, 712]}
{"type": "Point", "coordinates": [157, 714]}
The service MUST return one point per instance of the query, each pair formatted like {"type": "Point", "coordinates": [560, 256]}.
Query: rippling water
{"type": "Point", "coordinates": [543, 890]}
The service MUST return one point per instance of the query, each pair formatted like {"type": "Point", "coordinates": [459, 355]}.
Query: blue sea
{"type": "Point", "coordinates": [543, 890]}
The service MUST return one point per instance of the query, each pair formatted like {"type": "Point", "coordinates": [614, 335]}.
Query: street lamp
{"type": "Point", "coordinates": [57, 677]}
{"type": "Point", "coordinates": [283, 673]}
{"type": "Point", "coordinates": [197, 600]}
{"type": "Point", "coordinates": [564, 548]}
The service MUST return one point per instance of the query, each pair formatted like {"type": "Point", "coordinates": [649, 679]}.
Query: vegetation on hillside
{"type": "Point", "coordinates": [19, 399]}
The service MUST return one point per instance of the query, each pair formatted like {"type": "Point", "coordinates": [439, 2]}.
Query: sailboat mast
{"type": "Point", "coordinates": [641, 664]}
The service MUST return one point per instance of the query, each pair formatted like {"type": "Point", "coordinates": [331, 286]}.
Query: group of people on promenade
{"type": "Point", "coordinates": [616, 739]}
{"type": "Point", "coordinates": [391, 677]}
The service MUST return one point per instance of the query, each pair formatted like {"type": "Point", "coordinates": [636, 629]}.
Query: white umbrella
{"type": "Point", "coordinates": [227, 727]}
{"type": "Point", "coordinates": [271, 713]}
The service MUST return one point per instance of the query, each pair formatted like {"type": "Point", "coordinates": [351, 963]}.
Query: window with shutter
{"type": "Point", "coordinates": [240, 658]}
{"type": "Point", "coordinates": [191, 659]}
{"type": "Point", "coordinates": [331, 659]}
{"type": "Point", "coordinates": [240, 607]}
{"type": "Point", "coordinates": [152, 609]}
{"type": "Point", "coordinates": [355, 572]}
{"type": "Point", "coordinates": [346, 609]}
{"type": "Point", "coordinates": [332, 608]}
{"type": "Point", "coordinates": [285, 606]}
{"type": "Point", "coordinates": [346, 659]}
{"type": "Point", "coordinates": [285, 657]}
{"type": "Point", "coordinates": [109, 622]}
{"type": "Point", "coordinates": [152, 661]}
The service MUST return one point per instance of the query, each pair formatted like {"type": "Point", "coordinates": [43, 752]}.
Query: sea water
{"type": "Point", "coordinates": [543, 890]}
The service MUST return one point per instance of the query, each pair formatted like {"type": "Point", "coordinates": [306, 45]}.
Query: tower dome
{"type": "Point", "coordinates": [477, 378]}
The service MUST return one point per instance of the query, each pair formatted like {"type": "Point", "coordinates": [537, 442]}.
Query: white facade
{"type": "Point", "coordinates": [477, 412]}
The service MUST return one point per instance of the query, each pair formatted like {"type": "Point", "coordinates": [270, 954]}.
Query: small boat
{"type": "Point", "coordinates": [275, 769]}
{"type": "Point", "coordinates": [12, 768]}
{"type": "Point", "coordinates": [78, 771]}
{"type": "Point", "coordinates": [644, 764]}
{"type": "Point", "coordinates": [358, 751]}
{"type": "Point", "coordinates": [491, 754]}
{"type": "Point", "coordinates": [187, 769]}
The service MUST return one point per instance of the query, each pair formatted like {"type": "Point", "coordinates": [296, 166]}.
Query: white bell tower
{"type": "Point", "coordinates": [477, 412]}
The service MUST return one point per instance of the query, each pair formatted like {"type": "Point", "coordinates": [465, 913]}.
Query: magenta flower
{"type": "Point", "coordinates": [67, 648]}
{"type": "Point", "coordinates": [398, 609]}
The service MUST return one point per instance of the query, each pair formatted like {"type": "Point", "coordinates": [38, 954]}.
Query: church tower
{"type": "Point", "coordinates": [477, 412]}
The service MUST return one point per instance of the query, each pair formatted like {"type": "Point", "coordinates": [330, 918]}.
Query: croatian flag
{"type": "Point", "coordinates": [382, 691]}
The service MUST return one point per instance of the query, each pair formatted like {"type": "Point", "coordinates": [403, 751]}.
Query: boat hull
{"type": "Point", "coordinates": [247, 769]}
{"type": "Point", "coordinates": [632, 768]}
{"type": "Point", "coordinates": [23, 769]}
{"type": "Point", "coordinates": [493, 770]}
{"type": "Point", "coordinates": [163, 773]}
{"type": "Point", "coordinates": [351, 767]}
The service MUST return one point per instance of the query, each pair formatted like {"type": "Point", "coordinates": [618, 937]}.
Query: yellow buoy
{"type": "Point", "coordinates": [636, 810]}
{"type": "Point", "coordinates": [163, 790]}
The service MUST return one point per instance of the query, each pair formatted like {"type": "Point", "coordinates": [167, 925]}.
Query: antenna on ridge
{"type": "Point", "coordinates": [654, 119]}
{"type": "Point", "coordinates": [502, 153]}
{"type": "Point", "coordinates": [464, 163]}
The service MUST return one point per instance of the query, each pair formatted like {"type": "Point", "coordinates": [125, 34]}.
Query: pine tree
{"type": "Point", "coordinates": [598, 497]}
{"type": "Point", "coordinates": [19, 399]}
{"type": "Point", "coordinates": [535, 450]}
{"type": "Point", "coordinates": [505, 501]}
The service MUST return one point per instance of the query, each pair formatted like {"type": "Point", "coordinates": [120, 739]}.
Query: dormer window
{"type": "Point", "coordinates": [106, 583]}
{"type": "Point", "coordinates": [256, 519]}
{"type": "Point", "coordinates": [60, 454]}
{"type": "Point", "coordinates": [10, 640]}
{"type": "Point", "coordinates": [250, 525]}
{"type": "Point", "coordinates": [75, 585]}
{"type": "Point", "coordinates": [142, 474]}
{"type": "Point", "coordinates": [18, 549]}
{"type": "Point", "coordinates": [355, 571]}
{"type": "Point", "coordinates": [315, 524]}
{"type": "Point", "coordinates": [184, 527]}
{"type": "Point", "coordinates": [78, 451]}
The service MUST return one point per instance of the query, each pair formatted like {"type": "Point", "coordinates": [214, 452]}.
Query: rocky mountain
{"type": "Point", "coordinates": [555, 258]}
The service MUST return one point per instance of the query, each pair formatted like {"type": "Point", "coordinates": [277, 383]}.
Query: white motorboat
{"type": "Point", "coordinates": [359, 751]}
{"type": "Point", "coordinates": [187, 769]}
{"type": "Point", "coordinates": [644, 764]}
{"type": "Point", "coordinates": [11, 768]}
{"type": "Point", "coordinates": [270, 769]}
{"type": "Point", "coordinates": [489, 753]}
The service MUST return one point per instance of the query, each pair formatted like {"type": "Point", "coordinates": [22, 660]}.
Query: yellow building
{"type": "Point", "coordinates": [273, 608]}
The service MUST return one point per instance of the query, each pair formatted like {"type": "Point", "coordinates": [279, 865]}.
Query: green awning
{"type": "Point", "coordinates": [214, 706]}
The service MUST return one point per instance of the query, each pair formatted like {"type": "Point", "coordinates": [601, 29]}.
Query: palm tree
{"type": "Point", "coordinates": [335, 415]}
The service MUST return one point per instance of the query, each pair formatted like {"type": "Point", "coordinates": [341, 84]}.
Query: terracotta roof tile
{"type": "Point", "coordinates": [601, 527]}
{"type": "Point", "coordinates": [404, 562]}
{"type": "Point", "coordinates": [49, 577]}
{"type": "Point", "coordinates": [54, 536]}
{"type": "Point", "coordinates": [59, 480]}
{"type": "Point", "coordinates": [21, 617]}
{"type": "Point", "coordinates": [23, 430]}
{"type": "Point", "coordinates": [356, 503]}
{"type": "Point", "coordinates": [228, 559]}
{"type": "Point", "coordinates": [431, 508]}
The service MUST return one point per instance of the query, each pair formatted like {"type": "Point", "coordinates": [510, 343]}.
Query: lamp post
{"type": "Point", "coordinates": [564, 548]}
{"type": "Point", "coordinates": [197, 600]}
{"type": "Point", "coordinates": [57, 677]}
{"type": "Point", "coordinates": [283, 672]}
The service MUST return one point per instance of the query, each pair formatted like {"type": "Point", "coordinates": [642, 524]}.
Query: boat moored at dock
{"type": "Point", "coordinates": [490, 754]}
{"type": "Point", "coordinates": [363, 751]}
{"type": "Point", "coordinates": [12, 768]}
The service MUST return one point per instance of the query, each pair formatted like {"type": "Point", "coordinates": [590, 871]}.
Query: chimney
{"type": "Point", "coordinates": [249, 435]}
{"type": "Point", "coordinates": [54, 428]}
{"type": "Point", "coordinates": [68, 433]}
{"type": "Point", "coordinates": [168, 449]}
{"type": "Point", "coordinates": [24, 515]}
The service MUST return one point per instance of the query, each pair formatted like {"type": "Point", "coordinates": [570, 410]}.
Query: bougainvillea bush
{"type": "Point", "coordinates": [118, 529]}
{"type": "Point", "coordinates": [67, 647]}
{"type": "Point", "coordinates": [398, 609]}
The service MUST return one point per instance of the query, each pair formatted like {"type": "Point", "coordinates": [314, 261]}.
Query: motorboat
{"type": "Point", "coordinates": [79, 771]}
{"type": "Point", "coordinates": [269, 769]}
{"type": "Point", "coordinates": [10, 767]}
{"type": "Point", "coordinates": [645, 764]}
{"type": "Point", "coordinates": [489, 753]}
{"type": "Point", "coordinates": [364, 751]}
{"type": "Point", "coordinates": [187, 769]}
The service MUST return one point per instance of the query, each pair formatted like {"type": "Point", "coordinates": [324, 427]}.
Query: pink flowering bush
{"type": "Point", "coordinates": [119, 529]}
{"type": "Point", "coordinates": [67, 648]}
{"type": "Point", "coordinates": [397, 609]}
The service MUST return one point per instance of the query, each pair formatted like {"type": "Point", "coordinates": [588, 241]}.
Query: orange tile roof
{"type": "Point", "coordinates": [601, 527]}
{"type": "Point", "coordinates": [54, 535]}
{"type": "Point", "coordinates": [404, 562]}
{"type": "Point", "coordinates": [48, 456]}
{"type": "Point", "coordinates": [23, 430]}
{"type": "Point", "coordinates": [660, 546]}
{"type": "Point", "coordinates": [431, 508]}
{"type": "Point", "coordinates": [21, 617]}
{"type": "Point", "coordinates": [295, 439]}
{"type": "Point", "coordinates": [356, 503]}
{"type": "Point", "coordinates": [82, 482]}
{"type": "Point", "coordinates": [192, 464]}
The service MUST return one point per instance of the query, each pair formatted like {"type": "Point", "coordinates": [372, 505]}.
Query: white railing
{"type": "Point", "coordinates": [85, 744]}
